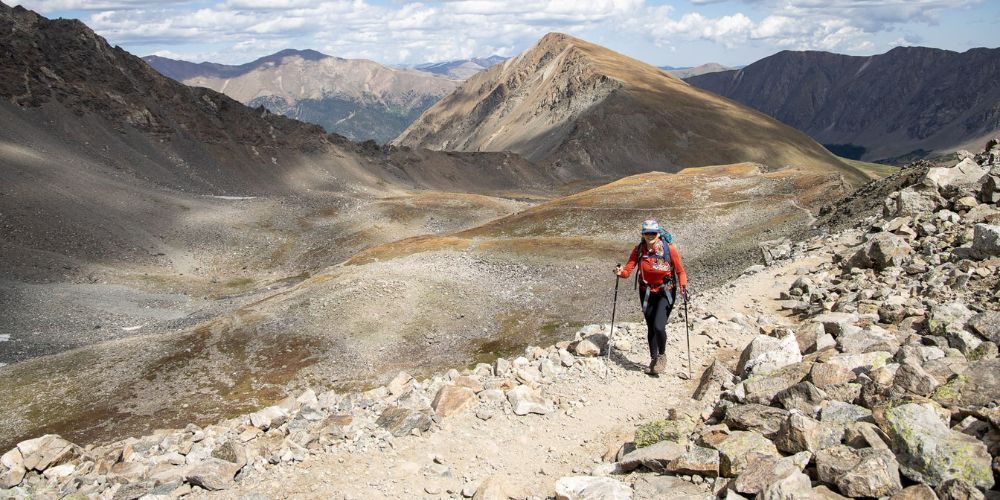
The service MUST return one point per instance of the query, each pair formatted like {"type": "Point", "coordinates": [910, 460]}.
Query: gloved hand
{"type": "Point", "coordinates": [684, 293]}
{"type": "Point", "coordinates": [618, 270]}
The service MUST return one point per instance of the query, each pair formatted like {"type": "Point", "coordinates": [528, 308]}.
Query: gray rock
{"type": "Point", "coordinates": [824, 375]}
{"type": "Point", "coordinates": [801, 433]}
{"type": "Point", "coordinates": [915, 492]}
{"type": "Point", "coordinates": [212, 474]}
{"type": "Point", "coordinates": [754, 417]}
{"type": "Point", "coordinates": [713, 380]}
{"type": "Point", "coordinates": [794, 486]}
{"type": "Point", "coordinates": [696, 460]}
{"type": "Point", "coordinates": [270, 417]}
{"type": "Point", "coordinates": [774, 250]}
{"type": "Point", "coordinates": [860, 363]}
{"type": "Point", "coordinates": [870, 339]}
{"type": "Point", "coordinates": [654, 457]}
{"type": "Point", "coordinates": [762, 389]}
{"type": "Point", "coordinates": [977, 386]}
{"type": "Point", "coordinates": [986, 241]}
{"type": "Point", "coordinates": [966, 176]}
{"type": "Point", "coordinates": [930, 452]}
{"type": "Point", "coordinates": [591, 487]}
{"type": "Point", "coordinates": [525, 400]}
{"type": "Point", "coordinates": [737, 446]}
{"type": "Point", "coordinates": [46, 451]}
{"type": "Point", "coordinates": [766, 354]}
{"type": "Point", "coordinates": [866, 472]}
{"type": "Point", "coordinates": [835, 323]}
{"type": "Point", "coordinates": [804, 397]}
{"type": "Point", "coordinates": [882, 250]}
{"type": "Point", "coordinates": [763, 470]}
{"type": "Point", "coordinates": [839, 412]}
{"type": "Point", "coordinates": [915, 201]}
{"type": "Point", "coordinates": [402, 421]}
{"type": "Point", "coordinates": [913, 378]}
{"type": "Point", "coordinates": [950, 313]}
{"type": "Point", "coordinates": [586, 348]}
{"type": "Point", "coordinates": [956, 489]}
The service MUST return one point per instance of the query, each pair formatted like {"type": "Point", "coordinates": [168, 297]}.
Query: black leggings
{"type": "Point", "coordinates": [657, 309]}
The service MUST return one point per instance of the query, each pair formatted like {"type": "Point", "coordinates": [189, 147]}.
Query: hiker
{"type": "Point", "coordinates": [660, 274]}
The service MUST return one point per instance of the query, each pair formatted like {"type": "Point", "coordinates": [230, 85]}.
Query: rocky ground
{"type": "Point", "coordinates": [858, 363]}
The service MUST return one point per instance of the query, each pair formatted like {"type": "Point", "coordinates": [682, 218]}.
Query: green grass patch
{"type": "Point", "coordinates": [239, 282]}
{"type": "Point", "coordinates": [873, 170]}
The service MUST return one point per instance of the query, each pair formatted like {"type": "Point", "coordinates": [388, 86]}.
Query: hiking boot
{"type": "Point", "coordinates": [652, 365]}
{"type": "Point", "coordinates": [660, 365]}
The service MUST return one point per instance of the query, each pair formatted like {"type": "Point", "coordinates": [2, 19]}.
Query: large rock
{"type": "Point", "coordinates": [46, 451]}
{"type": "Point", "coordinates": [916, 200]}
{"type": "Point", "coordinates": [803, 396]}
{"type": "Point", "coordinates": [270, 417]}
{"type": "Point", "coordinates": [954, 489]}
{"type": "Point", "coordinates": [402, 421]}
{"type": "Point", "coordinates": [930, 452]}
{"type": "Point", "coordinates": [12, 469]}
{"type": "Point", "coordinates": [986, 241]}
{"type": "Point", "coordinates": [525, 400]}
{"type": "Point", "coordinates": [714, 379]}
{"type": "Point", "coordinates": [655, 457]}
{"type": "Point", "coordinates": [913, 378]}
{"type": "Point", "coordinates": [824, 375]}
{"type": "Point", "coordinates": [762, 389]}
{"type": "Point", "coordinates": [801, 433]}
{"type": "Point", "coordinates": [663, 430]}
{"type": "Point", "coordinates": [839, 412]}
{"type": "Point", "coordinates": [452, 399]}
{"type": "Point", "coordinates": [212, 474]}
{"type": "Point", "coordinates": [735, 449]}
{"type": "Point", "coordinates": [947, 314]}
{"type": "Point", "coordinates": [773, 250]}
{"type": "Point", "coordinates": [965, 177]}
{"type": "Point", "coordinates": [861, 363]}
{"type": "Point", "coordinates": [795, 486]}
{"type": "Point", "coordinates": [696, 460]}
{"type": "Point", "coordinates": [592, 488]}
{"type": "Point", "coordinates": [754, 417]}
{"type": "Point", "coordinates": [987, 325]}
{"type": "Point", "coordinates": [763, 470]}
{"type": "Point", "coordinates": [836, 323]}
{"type": "Point", "coordinates": [586, 348]}
{"type": "Point", "coordinates": [866, 472]}
{"type": "Point", "coordinates": [915, 492]}
{"type": "Point", "coordinates": [766, 354]}
{"type": "Point", "coordinates": [976, 387]}
{"type": "Point", "coordinates": [870, 339]}
{"type": "Point", "coordinates": [882, 250]}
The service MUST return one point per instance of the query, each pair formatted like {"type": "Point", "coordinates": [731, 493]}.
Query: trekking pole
{"type": "Point", "coordinates": [614, 307]}
{"type": "Point", "coordinates": [687, 330]}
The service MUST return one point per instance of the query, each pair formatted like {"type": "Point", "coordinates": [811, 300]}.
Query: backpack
{"type": "Point", "coordinates": [667, 238]}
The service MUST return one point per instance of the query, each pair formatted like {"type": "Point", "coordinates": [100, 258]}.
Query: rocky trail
{"type": "Point", "coordinates": [859, 363]}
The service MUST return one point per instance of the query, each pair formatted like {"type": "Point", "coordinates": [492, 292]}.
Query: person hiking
{"type": "Point", "coordinates": [660, 274]}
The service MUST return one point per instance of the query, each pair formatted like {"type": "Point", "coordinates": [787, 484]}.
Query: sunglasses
{"type": "Point", "coordinates": [650, 234]}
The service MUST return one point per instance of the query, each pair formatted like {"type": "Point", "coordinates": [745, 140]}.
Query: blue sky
{"type": "Point", "coordinates": [660, 32]}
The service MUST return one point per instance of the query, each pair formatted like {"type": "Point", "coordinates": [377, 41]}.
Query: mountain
{"type": "Point", "coordinates": [460, 69]}
{"type": "Point", "coordinates": [910, 101]}
{"type": "Point", "coordinates": [590, 112]}
{"type": "Point", "coordinates": [695, 71]}
{"type": "Point", "coordinates": [357, 98]}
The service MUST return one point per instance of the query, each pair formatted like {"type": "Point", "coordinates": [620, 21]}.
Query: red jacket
{"type": "Point", "coordinates": [654, 267]}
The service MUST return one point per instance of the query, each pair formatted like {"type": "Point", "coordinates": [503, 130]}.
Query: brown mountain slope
{"type": "Point", "coordinates": [592, 112]}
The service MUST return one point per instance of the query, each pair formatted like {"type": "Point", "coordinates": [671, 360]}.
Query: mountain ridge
{"type": "Point", "coordinates": [905, 102]}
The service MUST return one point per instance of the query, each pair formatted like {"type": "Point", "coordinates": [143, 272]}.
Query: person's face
{"type": "Point", "coordinates": [649, 236]}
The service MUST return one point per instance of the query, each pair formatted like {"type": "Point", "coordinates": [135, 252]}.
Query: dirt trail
{"type": "Point", "coordinates": [530, 453]}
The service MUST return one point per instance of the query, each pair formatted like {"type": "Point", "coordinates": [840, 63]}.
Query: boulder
{"type": "Point", "coordinates": [696, 460]}
{"type": "Point", "coordinates": [915, 492]}
{"type": "Point", "coordinates": [914, 200]}
{"type": "Point", "coordinates": [794, 486]}
{"type": "Point", "coordinates": [824, 375]}
{"type": "Point", "coordinates": [525, 400]}
{"type": "Point", "coordinates": [930, 452]}
{"type": "Point", "coordinates": [47, 451]}
{"type": "Point", "coordinates": [911, 377]}
{"type": "Point", "coordinates": [944, 315]}
{"type": "Point", "coordinates": [804, 397]}
{"type": "Point", "coordinates": [866, 472]}
{"type": "Point", "coordinates": [212, 474]}
{"type": "Point", "coordinates": [986, 241]}
{"type": "Point", "coordinates": [977, 386]}
{"type": "Point", "coordinates": [956, 489]}
{"type": "Point", "coordinates": [586, 348]}
{"type": "Point", "coordinates": [402, 421]}
{"type": "Point", "coordinates": [400, 383]}
{"type": "Point", "coordinates": [737, 446]}
{"type": "Point", "coordinates": [801, 433]}
{"type": "Point", "coordinates": [12, 469]}
{"type": "Point", "coordinates": [839, 412]}
{"type": "Point", "coordinates": [869, 339]}
{"type": "Point", "coordinates": [762, 389]}
{"type": "Point", "coordinates": [836, 323]}
{"type": "Point", "coordinates": [966, 176]}
{"type": "Point", "coordinates": [860, 363]}
{"type": "Point", "coordinates": [591, 487]}
{"type": "Point", "coordinates": [655, 457]}
{"type": "Point", "coordinates": [714, 379]}
{"type": "Point", "coordinates": [270, 417]}
{"type": "Point", "coordinates": [754, 417]}
{"type": "Point", "coordinates": [987, 325]}
{"type": "Point", "coordinates": [773, 250]}
{"type": "Point", "coordinates": [763, 470]}
{"type": "Point", "coordinates": [766, 354]}
{"type": "Point", "coordinates": [452, 399]}
{"type": "Point", "coordinates": [882, 250]}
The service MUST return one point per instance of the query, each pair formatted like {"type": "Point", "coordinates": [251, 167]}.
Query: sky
{"type": "Point", "coordinates": [660, 32]}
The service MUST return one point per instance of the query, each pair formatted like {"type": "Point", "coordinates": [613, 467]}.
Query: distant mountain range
{"type": "Point", "coordinates": [592, 112]}
{"type": "Point", "coordinates": [687, 71]}
{"type": "Point", "coordinates": [356, 98]}
{"type": "Point", "coordinates": [460, 69]}
{"type": "Point", "coordinates": [908, 103]}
